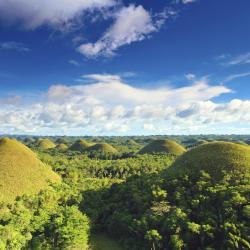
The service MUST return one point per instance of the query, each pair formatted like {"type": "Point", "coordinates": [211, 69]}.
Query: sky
{"type": "Point", "coordinates": [121, 67]}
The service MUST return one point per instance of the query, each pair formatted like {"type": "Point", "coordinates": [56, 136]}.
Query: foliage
{"type": "Point", "coordinates": [199, 200]}
{"type": "Point", "coordinates": [187, 213]}
{"type": "Point", "coordinates": [48, 220]}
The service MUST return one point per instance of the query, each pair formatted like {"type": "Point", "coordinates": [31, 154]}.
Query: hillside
{"type": "Point", "coordinates": [45, 144]}
{"type": "Point", "coordinates": [214, 158]}
{"type": "Point", "coordinates": [80, 145]}
{"type": "Point", "coordinates": [20, 170]}
{"type": "Point", "coordinates": [62, 146]}
{"type": "Point", "coordinates": [103, 148]}
{"type": "Point", "coordinates": [163, 146]}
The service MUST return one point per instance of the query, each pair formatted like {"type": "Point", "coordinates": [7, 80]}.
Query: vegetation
{"type": "Point", "coordinates": [114, 198]}
{"type": "Point", "coordinates": [62, 147]}
{"type": "Point", "coordinates": [103, 148]}
{"type": "Point", "coordinates": [163, 146]}
{"type": "Point", "coordinates": [80, 145]}
{"type": "Point", "coordinates": [20, 171]}
{"type": "Point", "coordinates": [45, 144]}
{"type": "Point", "coordinates": [216, 158]}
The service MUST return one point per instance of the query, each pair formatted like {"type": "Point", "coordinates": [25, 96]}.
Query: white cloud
{"type": "Point", "coordinates": [11, 45]}
{"type": "Point", "coordinates": [74, 62]}
{"type": "Point", "coordinates": [131, 24]}
{"type": "Point", "coordinates": [188, 1]}
{"type": "Point", "coordinates": [235, 76]}
{"type": "Point", "coordinates": [107, 105]}
{"type": "Point", "coordinates": [56, 13]}
{"type": "Point", "coordinates": [229, 60]}
{"type": "Point", "coordinates": [190, 76]}
{"type": "Point", "coordinates": [241, 59]}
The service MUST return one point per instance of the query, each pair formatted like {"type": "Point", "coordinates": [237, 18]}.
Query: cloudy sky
{"type": "Point", "coordinates": [121, 67]}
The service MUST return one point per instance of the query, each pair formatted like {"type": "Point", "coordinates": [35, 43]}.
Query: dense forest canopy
{"type": "Point", "coordinates": [111, 196]}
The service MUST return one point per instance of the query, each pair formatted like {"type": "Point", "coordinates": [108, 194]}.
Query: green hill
{"type": "Point", "coordinates": [45, 144]}
{"type": "Point", "coordinates": [80, 145]}
{"type": "Point", "coordinates": [62, 147]}
{"type": "Point", "coordinates": [20, 170]}
{"type": "Point", "coordinates": [103, 148]}
{"type": "Point", "coordinates": [62, 140]}
{"type": "Point", "coordinates": [216, 158]}
{"type": "Point", "coordinates": [163, 146]}
{"type": "Point", "coordinates": [29, 140]}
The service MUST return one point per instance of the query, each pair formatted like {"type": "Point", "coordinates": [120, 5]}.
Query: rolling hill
{"type": "Point", "coordinates": [45, 144]}
{"type": "Point", "coordinates": [20, 171]}
{"type": "Point", "coordinates": [163, 146]}
{"type": "Point", "coordinates": [216, 158]}
{"type": "Point", "coordinates": [80, 145]}
{"type": "Point", "coordinates": [103, 148]}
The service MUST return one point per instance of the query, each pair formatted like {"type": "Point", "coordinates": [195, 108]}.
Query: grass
{"type": "Point", "coordinates": [80, 145]}
{"type": "Point", "coordinates": [103, 147]}
{"type": "Point", "coordinates": [62, 146]}
{"type": "Point", "coordinates": [46, 144]}
{"type": "Point", "coordinates": [20, 171]}
{"type": "Point", "coordinates": [103, 242]}
{"type": "Point", "coordinates": [216, 158]}
{"type": "Point", "coordinates": [163, 146]}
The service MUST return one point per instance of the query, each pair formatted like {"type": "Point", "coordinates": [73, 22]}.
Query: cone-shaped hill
{"type": "Point", "coordinates": [163, 146]}
{"type": "Point", "coordinates": [103, 148]}
{"type": "Point", "coordinates": [45, 144]}
{"type": "Point", "coordinates": [20, 171]}
{"type": "Point", "coordinates": [62, 140]}
{"type": "Point", "coordinates": [215, 158]}
{"type": "Point", "coordinates": [62, 147]}
{"type": "Point", "coordinates": [80, 145]}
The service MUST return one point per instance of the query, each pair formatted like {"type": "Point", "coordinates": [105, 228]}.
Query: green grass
{"type": "Point", "coordinates": [62, 146]}
{"type": "Point", "coordinates": [103, 242]}
{"type": "Point", "coordinates": [20, 171]}
{"type": "Point", "coordinates": [45, 144]}
{"type": "Point", "coordinates": [216, 158]}
{"type": "Point", "coordinates": [103, 147]}
{"type": "Point", "coordinates": [163, 146]}
{"type": "Point", "coordinates": [80, 145]}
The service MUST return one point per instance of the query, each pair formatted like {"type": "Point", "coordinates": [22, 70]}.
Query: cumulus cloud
{"type": "Point", "coordinates": [131, 24]}
{"type": "Point", "coordinates": [108, 105]}
{"type": "Point", "coordinates": [56, 13]}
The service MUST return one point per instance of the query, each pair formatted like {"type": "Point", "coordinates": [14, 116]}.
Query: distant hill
{"type": "Point", "coordinates": [103, 148]}
{"type": "Point", "coordinates": [62, 147]}
{"type": "Point", "coordinates": [20, 170]}
{"type": "Point", "coordinates": [45, 144]}
{"type": "Point", "coordinates": [163, 146]}
{"type": "Point", "coordinates": [216, 158]}
{"type": "Point", "coordinates": [80, 145]}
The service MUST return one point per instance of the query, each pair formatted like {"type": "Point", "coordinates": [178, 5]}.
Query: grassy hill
{"type": "Point", "coordinates": [216, 158]}
{"type": "Point", "coordinates": [20, 171]}
{"type": "Point", "coordinates": [163, 146]}
{"type": "Point", "coordinates": [80, 145]}
{"type": "Point", "coordinates": [45, 144]}
{"type": "Point", "coordinates": [103, 148]}
{"type": "Point", "coordinates": [62, 147]}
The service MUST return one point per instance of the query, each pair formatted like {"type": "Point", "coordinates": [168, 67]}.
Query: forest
{"type": "Point", "coordinates": [118, 193]}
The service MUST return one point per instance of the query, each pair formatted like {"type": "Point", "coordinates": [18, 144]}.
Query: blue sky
{"type": "Point", "coordinates": [124, 67]}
